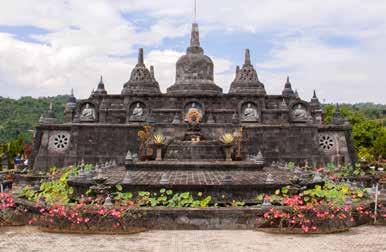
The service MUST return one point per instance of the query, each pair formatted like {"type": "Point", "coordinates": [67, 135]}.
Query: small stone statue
{"type": "Point", "coordinates": [259, 158]}
{"type": "Point", "coordinates": [176, 119]}
{"type": "Point", "coordinates": [137, 113]}
{"type": "Point", "coordinates": [129, 156]}
{"type": "Point", "coordinates": [269, 179]}
{"type": "Point", "coordinates": [88, 113]}
{"type": "Point", "coordinates": [164, 179]}
{"type": "Point", "coordinates": [250, 113]}
{"type": "Point", "coordinates": [299, 113]}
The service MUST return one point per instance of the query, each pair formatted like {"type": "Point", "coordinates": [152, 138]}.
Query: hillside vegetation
{"type": "Point", "coordinates": [19, 117]}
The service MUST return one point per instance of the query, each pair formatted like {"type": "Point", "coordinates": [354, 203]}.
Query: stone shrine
{"type": "Point", "coordinates": [192, 116]}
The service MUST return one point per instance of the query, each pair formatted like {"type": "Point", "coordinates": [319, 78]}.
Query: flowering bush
{"type": "Point", "coordinates": [6, 201]}
{"type": "Point", "coordinates": [308, 217]}
{"type": "Point", "coordinates": [84, 217]}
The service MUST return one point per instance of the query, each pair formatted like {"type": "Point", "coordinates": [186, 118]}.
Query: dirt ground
{"type": "Point", "coordinates": [364, 238]}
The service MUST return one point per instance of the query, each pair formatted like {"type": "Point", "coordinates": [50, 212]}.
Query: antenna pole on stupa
{"type": "Point", "coordinates": [195, 12]}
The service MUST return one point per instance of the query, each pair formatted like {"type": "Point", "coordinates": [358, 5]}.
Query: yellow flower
{"type": "Point", "coordinates": [159, 139]}
{"type": "Point", "coordinates": [227, 139]}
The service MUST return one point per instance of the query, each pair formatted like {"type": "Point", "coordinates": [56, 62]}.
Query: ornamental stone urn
{"type": "Point", "coordinates": [159, 140]}
{"type": "Point", "coordinates": [227, 140]}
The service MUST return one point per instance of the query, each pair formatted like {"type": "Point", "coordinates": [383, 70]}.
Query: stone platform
{"type": "Point", "coordinates": [244, 185]}
{"type": "Point", "coordinates": [209, 165]}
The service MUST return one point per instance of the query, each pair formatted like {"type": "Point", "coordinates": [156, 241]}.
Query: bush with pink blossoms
{"type": "Point", "coordinates": [83, 217]}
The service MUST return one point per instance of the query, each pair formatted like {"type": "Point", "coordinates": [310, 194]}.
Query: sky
{"type": "Point", "coordinates": [337, 48]}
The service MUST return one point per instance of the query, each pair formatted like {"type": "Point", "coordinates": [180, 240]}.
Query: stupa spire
{"type": "Point", "coordinates": [195, 36]}
{"type": "Point", "coordinates": [247, 58]}
{"type": "Point", "coordinates": [140, 57]}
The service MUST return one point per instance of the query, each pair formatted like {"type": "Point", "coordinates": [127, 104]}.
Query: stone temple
{"type": "Point", "coordinates": [192, 116]}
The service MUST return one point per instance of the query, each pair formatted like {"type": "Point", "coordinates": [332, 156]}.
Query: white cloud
{"type": "Point", "coordinates": [83, 36]}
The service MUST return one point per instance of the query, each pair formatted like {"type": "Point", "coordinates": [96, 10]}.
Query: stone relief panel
{"type": "Point", "coordinates": [88, 113]}
{"type": "Point", "coordinates": [327, 143]}
{"type": "Point", "coordinates": [249, 112]}
{"type": "Point", "coordinates": [299, 113]}
{"type": "Point", "coordinates": [137, 112]}
{"type": "Point", "coordinates": [59, 142]}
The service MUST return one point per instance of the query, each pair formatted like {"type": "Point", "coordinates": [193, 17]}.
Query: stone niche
{"type": "Point", "coordinates": [249, 112]}
{"type": "Point", "coordinates": [300, 112]}
{"type": "Point", "coordinates": [88, 112]}
{"type": "Point", "coordinates": [137, 112]}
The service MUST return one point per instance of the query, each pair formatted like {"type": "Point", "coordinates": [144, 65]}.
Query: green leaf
{"type": "Point", "coordinates": [119, 187]}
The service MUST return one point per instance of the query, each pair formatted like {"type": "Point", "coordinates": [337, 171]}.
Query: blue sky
{"type": "Point", "coordinates": [338, 48]}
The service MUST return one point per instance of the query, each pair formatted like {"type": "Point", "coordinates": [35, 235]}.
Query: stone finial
{"type": "Point", "coordinates": [337, 118]}
{"type": "Point", "coordinates": [100, 87]}
{"type": "Point", "coordinates": [72, 92]}
{"type": "Point", "coordinates": [140, 57]}
{"type": "Point", "coordinates": [287, 91]}
{"type": "Point", "coordinates": [50, 108]}
{"type": "Point", "coordinates": [237, 70]}
{"type": "Point", "coordinates": [195, 36]}
{"type": "Point", "coordinates": [247, 58]}
{"type": "Point", "coordinates": [315, 101]}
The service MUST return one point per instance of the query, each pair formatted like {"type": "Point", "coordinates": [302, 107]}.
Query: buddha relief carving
{"type": "Point", "coordinates": [249, 113]}
{"type": "Point", "coordinates": [138, 113]}
{"type": "Point", "coordinates": [88, 113]}
{"type": "Point", "coordinates": [299, 113]}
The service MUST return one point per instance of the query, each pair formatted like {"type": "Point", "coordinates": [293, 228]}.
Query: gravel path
{"type": "Point", "coordinates": [364, 238]}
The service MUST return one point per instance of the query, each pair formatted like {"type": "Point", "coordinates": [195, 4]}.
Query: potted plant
{"type": "Point", "coordinates": [227, 140]}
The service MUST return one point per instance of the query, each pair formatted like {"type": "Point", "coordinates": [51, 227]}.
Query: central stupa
{"type": "Point", "coordinates": [194, 71]}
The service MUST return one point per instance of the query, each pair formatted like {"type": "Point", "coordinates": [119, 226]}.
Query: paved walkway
{"type": "Point", "coordinates": [364, 238]}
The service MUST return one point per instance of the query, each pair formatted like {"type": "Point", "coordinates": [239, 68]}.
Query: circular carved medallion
{"type": "Point", "coordinates": [59, 142]}
{"type": "Point", "coordinates": [326, 142]}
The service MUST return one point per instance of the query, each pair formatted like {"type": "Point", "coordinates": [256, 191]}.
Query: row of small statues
{"type": "Point", "coordinates": [249, 114]}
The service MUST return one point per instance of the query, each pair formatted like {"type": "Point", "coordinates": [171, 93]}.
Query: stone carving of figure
{"type": "Point", "coordinates": [299, 113]}
{"type": "Point", "coordinates": [250, 113]}
{"type": "Point", "coordinates": [137, 113]}
{"type": "Point", "coordinates": [88, 113]}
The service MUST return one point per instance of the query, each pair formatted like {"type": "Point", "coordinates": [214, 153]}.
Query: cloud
{"type": "Point", "coordinates": [336, 47]}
